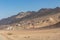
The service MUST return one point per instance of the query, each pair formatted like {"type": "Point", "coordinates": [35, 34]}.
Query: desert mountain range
{"type": "Point", "coordinates": [45, 18]}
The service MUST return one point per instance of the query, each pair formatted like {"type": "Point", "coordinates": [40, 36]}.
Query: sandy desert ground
{"type": "Point", "coordinates": [51, 34]}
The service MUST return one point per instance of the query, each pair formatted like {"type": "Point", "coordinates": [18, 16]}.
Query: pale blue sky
{"type": "Point", "coordinates": [12, 7]}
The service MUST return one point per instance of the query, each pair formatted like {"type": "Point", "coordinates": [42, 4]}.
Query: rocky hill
{"type": "Point", "coordinates": [43, 18]}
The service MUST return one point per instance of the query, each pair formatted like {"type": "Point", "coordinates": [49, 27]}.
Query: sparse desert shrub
{"type": "Point", "coordinates": [9, 33]}
{"type": "Point", "coordinates": [27, 37]}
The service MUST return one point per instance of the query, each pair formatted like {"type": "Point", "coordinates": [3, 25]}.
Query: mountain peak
{"type": "Point", "coordinates": [32, 19]}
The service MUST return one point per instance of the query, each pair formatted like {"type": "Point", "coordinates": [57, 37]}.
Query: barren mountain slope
{"type": "Point", "coordinates": [31, 19]}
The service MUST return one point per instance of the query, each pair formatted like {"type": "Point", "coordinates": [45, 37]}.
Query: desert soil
{"type": "Point", "coordinates": [51, 34]}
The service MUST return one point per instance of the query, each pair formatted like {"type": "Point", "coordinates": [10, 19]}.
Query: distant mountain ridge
{"type": "Point", "coordinates": [31, 19]}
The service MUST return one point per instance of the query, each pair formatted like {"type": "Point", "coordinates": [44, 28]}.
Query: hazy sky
{"type": "Point", "coordinates": [12, 7]}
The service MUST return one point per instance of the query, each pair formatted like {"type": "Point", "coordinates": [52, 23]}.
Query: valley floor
{"type": "Point", "coordinates": [51, 34]}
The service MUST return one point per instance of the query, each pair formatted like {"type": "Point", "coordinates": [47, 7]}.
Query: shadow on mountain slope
{"type": "Point", "coordinates": [57, 25]}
